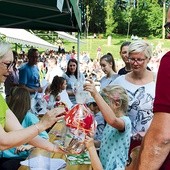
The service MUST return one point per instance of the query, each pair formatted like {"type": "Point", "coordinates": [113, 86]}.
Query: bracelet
{"type": "Point", "coordinates": [38, 129]}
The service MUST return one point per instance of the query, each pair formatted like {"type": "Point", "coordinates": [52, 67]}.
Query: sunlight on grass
{"type": "Point", "coordinates": [91, 45]}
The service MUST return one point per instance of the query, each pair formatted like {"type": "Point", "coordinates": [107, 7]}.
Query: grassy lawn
{"type": "Point", "coordinates": [91, 45]}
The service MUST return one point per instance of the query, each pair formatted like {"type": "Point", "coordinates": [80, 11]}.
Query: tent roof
{"type": "Point", "coordinates": [24, 37]}
{"type": "Point", "coordinates": [40, 15]}
{"type": "Point", "coordinates": [66, 36]}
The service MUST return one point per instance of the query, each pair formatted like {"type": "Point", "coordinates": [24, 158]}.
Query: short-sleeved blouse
{"type": "Point", "coordinates": [141, 98]}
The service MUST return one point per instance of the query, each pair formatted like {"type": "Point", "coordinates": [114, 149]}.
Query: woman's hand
{"type": "Point", "coordinates": [90, 87]}
{"type": "Point", "coordinates": [56, 149]}
{"type": "Point", "coordinates": [51, 117]}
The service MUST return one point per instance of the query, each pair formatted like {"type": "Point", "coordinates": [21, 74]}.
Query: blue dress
{"type": "Point", "coordinates": [115, 146]}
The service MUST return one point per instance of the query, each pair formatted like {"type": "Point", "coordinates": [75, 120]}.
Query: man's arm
{"type": "Point", "coordinates": [156, 144]}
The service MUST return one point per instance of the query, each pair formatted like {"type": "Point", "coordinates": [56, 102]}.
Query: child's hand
{"type": "Point", "coordinates": [23, 148]}
{"type": "Point", "coordinates": [89, 142]}
{"type": "Point", "coordinates": [90, 87]}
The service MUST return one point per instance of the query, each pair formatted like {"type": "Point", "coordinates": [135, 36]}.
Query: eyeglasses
{"type": "Point", "coordinates": [167, 27]}
{"type": "Point", "coordinates": [137, 60]}
{"type": "Point", "coordinates": [9, 65]}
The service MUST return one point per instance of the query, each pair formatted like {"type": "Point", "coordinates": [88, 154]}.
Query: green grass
{"type": "Point", "coordinates": [91, 45]}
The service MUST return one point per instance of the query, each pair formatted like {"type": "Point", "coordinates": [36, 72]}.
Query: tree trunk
{"type": "Point", "coordinates": [163, 19]}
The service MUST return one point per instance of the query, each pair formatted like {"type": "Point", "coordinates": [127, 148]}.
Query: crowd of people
{"type": "Point", "coordinates": [131, 105]}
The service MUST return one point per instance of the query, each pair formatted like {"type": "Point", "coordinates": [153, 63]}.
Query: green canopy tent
{"type": "Point", "coordinates": [41, 15]}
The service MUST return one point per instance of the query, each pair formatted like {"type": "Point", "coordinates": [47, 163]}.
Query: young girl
{"type": "Point", "coordinates": [108, 66]}
{"type": "Point", "coordinates": [100, 122]}
{"type": "Point", "coordinates": [58, 84]}
{"type": "Point", "coordinates": [116, 136]}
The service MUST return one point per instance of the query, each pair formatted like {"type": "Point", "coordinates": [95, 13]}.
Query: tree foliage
{"type": "Point", "coordinates": [109, 20]}
{"type": "Point", "coordinates": [138, 17]}
{"type": "Point", "coordinates": [97, 15]}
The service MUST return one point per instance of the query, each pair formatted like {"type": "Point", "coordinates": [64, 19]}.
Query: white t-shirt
{"type": "Point", "coordinates": [141, 98]}
{"type": "Point", "coordinates": [65, 98]}
{"type": "Point", "coordinates": [55, 71]}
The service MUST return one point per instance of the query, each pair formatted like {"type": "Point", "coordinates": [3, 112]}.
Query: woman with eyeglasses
{"type": "Point", "coordinates": [12, 134]}
{"type": "Point", "coordinates": [13, 78]}
{"type": "Point", "coordinates": [140, 86]}
{"type": "Point", "coordinates": [124, 55]}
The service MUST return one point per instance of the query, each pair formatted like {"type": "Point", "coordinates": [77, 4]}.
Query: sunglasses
{"type": "Point", "coordinates": [167, 27]}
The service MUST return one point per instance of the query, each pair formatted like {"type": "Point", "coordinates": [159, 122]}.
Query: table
{"type": "Point", "coordinates": [58, 126]}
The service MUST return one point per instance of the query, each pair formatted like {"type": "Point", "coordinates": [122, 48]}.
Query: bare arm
{"type": "Point", "coordinates": [44, 144]}
{"type": "Point", "coordinates": [156, 145]}
{"type": "Point", "coordinates": [14, 135]}
{"type": "Point", "coordinates": [105, 109]}
{"type": "Point", "coordinates": [95, 161]}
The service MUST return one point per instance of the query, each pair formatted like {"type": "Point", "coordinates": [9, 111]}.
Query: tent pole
{"type": "Point", "coordinates": [78, 54]}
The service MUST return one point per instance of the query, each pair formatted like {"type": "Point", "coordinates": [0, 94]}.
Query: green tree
{"type": "Point", "coordinates": [110, 22]}
{"type": "Point", "coordinates": [96, 15]}
{"type": "Point", "coordinates": [139, 17]}
{"type": "Point", "coordinates": [146, 20]}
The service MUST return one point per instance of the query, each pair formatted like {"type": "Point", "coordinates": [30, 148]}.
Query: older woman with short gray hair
{"type": "Point", "coordinates": [140, 86]}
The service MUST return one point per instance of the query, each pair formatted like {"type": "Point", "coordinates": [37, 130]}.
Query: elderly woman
{"type": "Point", "coordinates": [12, 133]}
{"type": "Point", "coordinates": [140, 86]}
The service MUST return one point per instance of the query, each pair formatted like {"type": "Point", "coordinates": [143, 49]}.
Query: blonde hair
{"type": "Point", "coordinates": [139, 46]}
{"type": "Point", "coordinates": [4, 48]}
{"type": "Point", "coordinates": [117, 93]}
